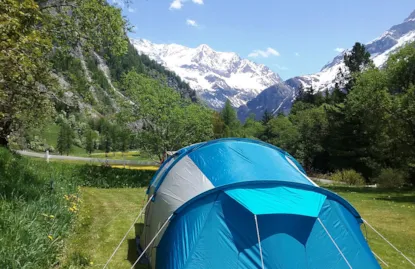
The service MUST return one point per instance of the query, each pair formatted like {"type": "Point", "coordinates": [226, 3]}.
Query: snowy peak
{"type": "Point", "coordinates": [216, 76]}
{"type": "Point", "coordinates": [380, 49]}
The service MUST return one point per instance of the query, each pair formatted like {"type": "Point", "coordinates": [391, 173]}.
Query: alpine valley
{"type": "Point", "coordinates": [254, 88]}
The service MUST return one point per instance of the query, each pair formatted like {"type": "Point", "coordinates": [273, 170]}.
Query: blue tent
{"type": "Point", "coordinates": [239, 203]}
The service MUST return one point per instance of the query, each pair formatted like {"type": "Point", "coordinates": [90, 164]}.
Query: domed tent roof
{"type": "Point", "coordinates": [239, 203]}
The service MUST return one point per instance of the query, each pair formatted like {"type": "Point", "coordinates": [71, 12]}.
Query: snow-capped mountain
{"type": "Point", "coordinates": [380, 49]}
{"type": "Point", "coordinates": [216, 76]}
{"type": "Point", "coordinates": [276, 99]}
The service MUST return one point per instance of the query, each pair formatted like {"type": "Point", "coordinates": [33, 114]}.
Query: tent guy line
{"type": "Point", "coordinates": [126, 234]}
{"type": "Point", "coordinates": [387, 241]}
{"type": "Point", "coordinates": [152, 240]}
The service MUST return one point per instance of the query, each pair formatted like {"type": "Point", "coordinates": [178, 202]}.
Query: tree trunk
{"type": "Point", "coordinates": [3, 141]}
{"type": "Point", "coordinates": [5, 131]}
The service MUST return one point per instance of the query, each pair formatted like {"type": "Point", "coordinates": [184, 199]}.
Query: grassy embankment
{"type": "Point", "coordinates": [40, 203]}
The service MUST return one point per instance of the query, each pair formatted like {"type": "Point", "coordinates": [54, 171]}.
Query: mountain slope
{"type": "Point", "coordinates": [216, 76]}
{"type": "Point", "coordinates": [275, 99]}
{"type": "Point", "coordinates": [380, 49]}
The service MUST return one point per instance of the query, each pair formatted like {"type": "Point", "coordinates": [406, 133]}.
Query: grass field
{"type": "Point", "coordinates": [107, 214]}
{"type": "Point", "coordinates": [392, 213]}
{"type": "Point", "coordinates": [104, 218]}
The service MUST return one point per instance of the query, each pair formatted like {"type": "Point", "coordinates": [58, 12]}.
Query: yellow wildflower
{"type": "Point", "coordinates": [71, 209]}
{"type": "Point", "coordinates": [91, 263]}
{"type": "Point", "coordinates": [50, 237]}
{"type": "Point", "coordinates": [52, 216]}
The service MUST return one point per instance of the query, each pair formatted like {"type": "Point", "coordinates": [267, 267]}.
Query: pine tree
{"type": "Point", "coordinates": [337, 96]}
{"type": "Point", "coordinates": [356, 61]}
{"type": "Point", "coordinates": [230, 120]}
{"type": "Point", "coordinates": [228, 114]}
{"type": "Point", "coordinates": [65, 139]}
{"type": "Point", "coordinates": [266, 117]}
{"type": "Point", "coordinates": [218, 125]}
{"type": "Point", "coordinates": [89, 141]}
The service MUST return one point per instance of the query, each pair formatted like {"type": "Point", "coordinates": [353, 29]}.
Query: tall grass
{"type": "Point", "coordinates": [39, 203]}
{"type": "Point", "coordinates": [34, 214]}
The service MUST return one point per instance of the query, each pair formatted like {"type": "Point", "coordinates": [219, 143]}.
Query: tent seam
{"type": "Point", "coordinates": [204, 225]}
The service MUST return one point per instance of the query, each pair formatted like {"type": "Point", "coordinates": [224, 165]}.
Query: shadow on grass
{"type": "Point", "coordinates": [398, 199]}
{"type": "Point", "coordinates": [132, 253]}
{"type": "Point", "coordinates": [370, 190]}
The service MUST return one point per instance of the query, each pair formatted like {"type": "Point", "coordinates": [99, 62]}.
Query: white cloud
{"type": "Point", "coordinates": [297, 54]}
{"type": "Point", "coordinates": [261, 53]}
{"type": "Point", "coordinates": [281, 67]}
{"type": "Point", "coordinates": [191, 23]}
{"type": "Point", "coordinates": [339, 50]}
{"type": "Point", "coordinates": [130, 9]}
{"type": "Point", "coordinates": [176, 4]}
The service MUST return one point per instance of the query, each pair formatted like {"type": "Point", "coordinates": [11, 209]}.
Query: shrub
{"type": "Point", "coordinates": [391, 178]}
{"type": "Point", "coordinates": [350, 177]}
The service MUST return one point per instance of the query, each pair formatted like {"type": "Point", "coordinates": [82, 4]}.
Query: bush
{"type": "Point", "coordinates": [107, 177]}
{"type": "Point", "coordinates": [350, 177]}
{"type": "Point", "coordinates": [391, 178]}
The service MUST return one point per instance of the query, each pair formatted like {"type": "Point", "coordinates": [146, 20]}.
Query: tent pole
{"type": "Point", "coordinates": [152, 240]}
{"type": "Point", "coordinates": [334, 242]}
{"type": "Point", "coordinates": [380, 259]}
{"type": "Point", "coordinates": [400, 252]}
{"type": "Point", "coordinates": [126, 234]}
{"type": "Point", "coordinates": [259, 241]}
{"type": "Point", "coordinates": [298, 169]}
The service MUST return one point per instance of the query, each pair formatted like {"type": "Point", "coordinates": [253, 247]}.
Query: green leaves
{"type": "Point", "coordinates": [400, 69]}
{"type": "Point", "coordinates": [168, 121]}
{"type": "Point", "coordinates": [24, 72]}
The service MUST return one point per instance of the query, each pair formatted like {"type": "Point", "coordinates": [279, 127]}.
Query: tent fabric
{"type": "Point", "coordinates": [279, 200]}
{"type": "Point", "coordinates": [210, 234]}
{"type": "Point", "coordinates": [236, 161]}
{"type": "Point", "coordinates": [216, 190]}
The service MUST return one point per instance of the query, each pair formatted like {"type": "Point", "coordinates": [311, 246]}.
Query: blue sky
{"type": "Point", "coordinates": [292, 37]}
